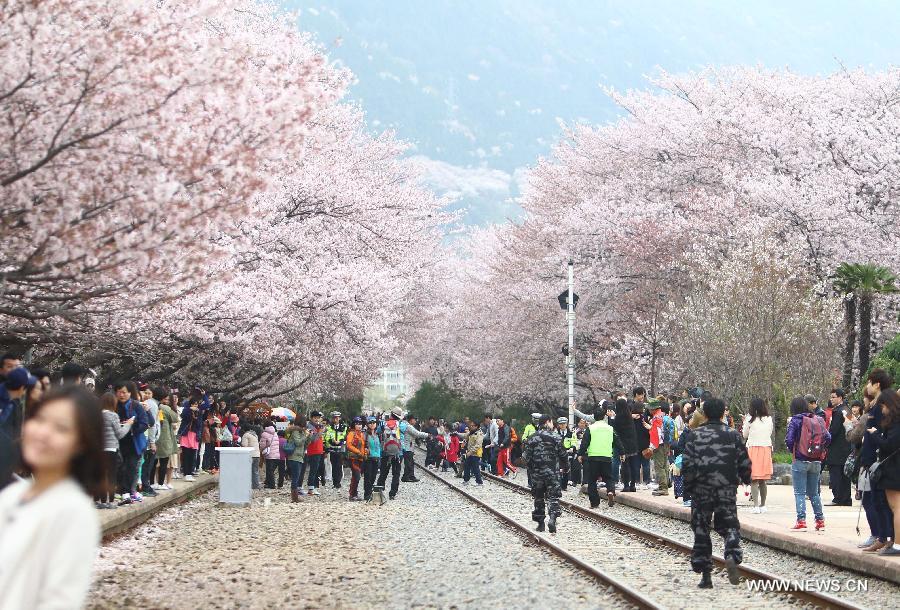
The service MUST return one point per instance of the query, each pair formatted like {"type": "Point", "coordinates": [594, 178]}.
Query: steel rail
{"type": "Point", "coordinates": [819, 599]}
{"type": "Point", "coordinates": [633, 596]}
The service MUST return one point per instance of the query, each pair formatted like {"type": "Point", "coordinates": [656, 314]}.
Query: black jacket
{"type": "Point", "coordinates": [839, 449]}
{"type": "Point", "coordinates": [504, 438]}
{"type": "Point", "coordinates": [641, 434]}
{"type": "Point", "coordinates": [624, 429]}
{"type": "Point", "coordinates": [889, 451]}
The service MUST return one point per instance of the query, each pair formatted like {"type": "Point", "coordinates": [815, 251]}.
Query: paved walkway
{"type": "Point", "coordinates": [836, 545]}
{"type": "Point", "coordinates": [125, 517]}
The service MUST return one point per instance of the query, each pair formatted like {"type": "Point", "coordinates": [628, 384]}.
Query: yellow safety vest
{"type": "Point", "coordinates": [601, 440]}
{"type": "Point", "coordinates": [528, 431]}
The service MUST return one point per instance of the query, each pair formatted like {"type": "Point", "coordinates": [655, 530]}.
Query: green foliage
{"type": "Point", "coordinates": [781, 457]}
{"type": "Point", "coordinates": [888, 359]}
{"type": "Point", "coordinates": [860, 279]}
{"type": "Point", "coordinates": [347, 406]}
{"type": "Point", "coordinates": [438, 400]}
{"type": "Point", "coordinates": [780, 410]}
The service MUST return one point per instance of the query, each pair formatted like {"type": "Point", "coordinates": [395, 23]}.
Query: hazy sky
{"type": "Point", "coordinates": [479, 87]}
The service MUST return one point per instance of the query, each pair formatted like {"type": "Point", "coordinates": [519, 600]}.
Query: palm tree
{"type": "Point", "coordinates": [845, 284]}
{"type": "Point", "coordinates": [860, 283]}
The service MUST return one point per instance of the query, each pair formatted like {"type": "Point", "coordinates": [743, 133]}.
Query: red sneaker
{"type": "Point", "coordinates": [820, 525]}
{"type": "Point", "coordinates": [800, 526]}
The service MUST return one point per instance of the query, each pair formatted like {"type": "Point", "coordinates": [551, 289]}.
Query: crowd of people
{"type": "Point", "coordinates": [62, 441]}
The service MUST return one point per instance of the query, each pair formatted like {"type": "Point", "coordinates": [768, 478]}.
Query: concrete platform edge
{"type": "Point", "coordinates": [849, 559]}
{"type": "Point", "coordinates": [125, 518]}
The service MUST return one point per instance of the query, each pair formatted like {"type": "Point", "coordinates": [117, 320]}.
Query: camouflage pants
{"type": "Point", "coordinates": [720, 508]}
{"type": "Point", "coordinates": [545, 490]}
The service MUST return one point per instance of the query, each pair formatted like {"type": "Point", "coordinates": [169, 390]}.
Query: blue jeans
{"type": "Point", "coordinates": [296, 469]}
{"type": "Point", "coordinates": [645, 469]}
{"type": "Point", "coordinates": [472, 467]}
{"type": "Point", "coordinates": [314, 464]}
{"type": "Point", "coordinates": [806, 485]}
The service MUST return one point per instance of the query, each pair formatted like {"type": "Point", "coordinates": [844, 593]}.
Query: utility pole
{"type": "Point", "coordinates": [570, 359]}
{"type": "Point", "coordinates": [568, 300]}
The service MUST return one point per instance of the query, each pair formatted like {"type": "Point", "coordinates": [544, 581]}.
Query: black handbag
{"type": "Point", "coordinates": [876, 472]}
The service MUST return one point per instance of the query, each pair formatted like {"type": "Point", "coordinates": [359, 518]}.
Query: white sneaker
{"type": "Point", "coordinates": [652, 486]}
{"type": "Point", "coordinates": [314, 492]}
{"type": "Point", "coordinates": [167, 487]}
{"type": "Point", "coordinates": [756, 510]}
{"type": "Point", "coordinates": [619, 487]}
{"type": "Point", "coordinates": [762, 509]}
{"type": "Point", "coordinates": [189, 478]}
{"type": "Point", "coordinates": [301, 492]}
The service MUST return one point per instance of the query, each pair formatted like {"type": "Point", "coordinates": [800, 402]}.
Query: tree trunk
{"type": "Point", "coordinates": [865, 332]}
{"type": "Point", "coordinates": [849, 339]}
{"type": "Point", "coordinates": [654, 355]}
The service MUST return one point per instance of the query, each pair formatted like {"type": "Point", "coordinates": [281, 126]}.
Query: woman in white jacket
{"type": "Point", "coordinates": [49, 530]}
{"type": "Point", "coordinates": [757, 431]}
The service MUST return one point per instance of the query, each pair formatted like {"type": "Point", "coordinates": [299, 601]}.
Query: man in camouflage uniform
{"type": "Point", "coordinates": [714, 462]}
{"type": "Point", "coordinates": [545, 456]}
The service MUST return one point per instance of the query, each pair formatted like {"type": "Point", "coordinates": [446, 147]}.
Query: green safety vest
{"type": "Point", "coordinates": [601, 440]}
{"type": "Point", "coordinates": [334, 437]}
{"type": "Point", "coordinates": [528, 431]}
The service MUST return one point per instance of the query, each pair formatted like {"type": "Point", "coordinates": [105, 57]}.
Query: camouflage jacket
{"type": "Point", "coordinates": [544, 451]}
{"type": "Point", "coordinates": [714, 458]}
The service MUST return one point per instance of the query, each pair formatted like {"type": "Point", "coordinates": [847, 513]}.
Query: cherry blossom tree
{"type": "Point", "coordinates": [132, 131]}
{"type": "Point", "coordinates": [700, 166]}
{"type": "Point", "coordinates": [318, 275]}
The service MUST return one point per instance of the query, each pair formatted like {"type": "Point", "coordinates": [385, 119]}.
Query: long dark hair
{"type": "Point", "coordinates": [88, 467]}
{"type": "Point", "coordinates": [799, 405]}
{"type": "Point", "coordinates": [890, 399]}
{"type": "Point", "coordinates": [758, 408]}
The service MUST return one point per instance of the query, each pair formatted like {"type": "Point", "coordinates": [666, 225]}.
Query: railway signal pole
{"type": "Point", "coordinates": [567, 301]}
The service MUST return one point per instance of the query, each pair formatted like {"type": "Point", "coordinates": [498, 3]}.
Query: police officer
{"type": "Point", "coordinates": [596, 454]}
{"type": "Point", "coordinates": [714, 461]}
{"type": "Point", "coordinates": [575, 468]}
{"type": "Point", "coordinates": [562, 429]}
{"type": "Point", "coordinates": [527, 432]}
{"type": "Point", "coordinates": [335, 443]}
{"type": "Point", "coordinates": [545, 457]}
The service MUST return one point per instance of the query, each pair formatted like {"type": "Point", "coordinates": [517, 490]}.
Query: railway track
{"type": "Point", "coordinates": [644, 570]}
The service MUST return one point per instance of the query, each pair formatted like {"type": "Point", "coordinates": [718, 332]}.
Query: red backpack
{"type": "Point", "coordinates": [391, 438]}
{"type": "Point", "coordinates": [811, 444]}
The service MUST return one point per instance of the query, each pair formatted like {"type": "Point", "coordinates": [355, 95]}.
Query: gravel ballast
{"type": "Point", "coordinates": [429, 548]}
{"type": "Point", "coordinates": [879, 593]}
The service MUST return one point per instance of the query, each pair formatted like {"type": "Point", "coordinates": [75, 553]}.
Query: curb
{"type": "Point", "coordinates": [866, 564]}
{"type": "Point", "coordinates": [122, 519]}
